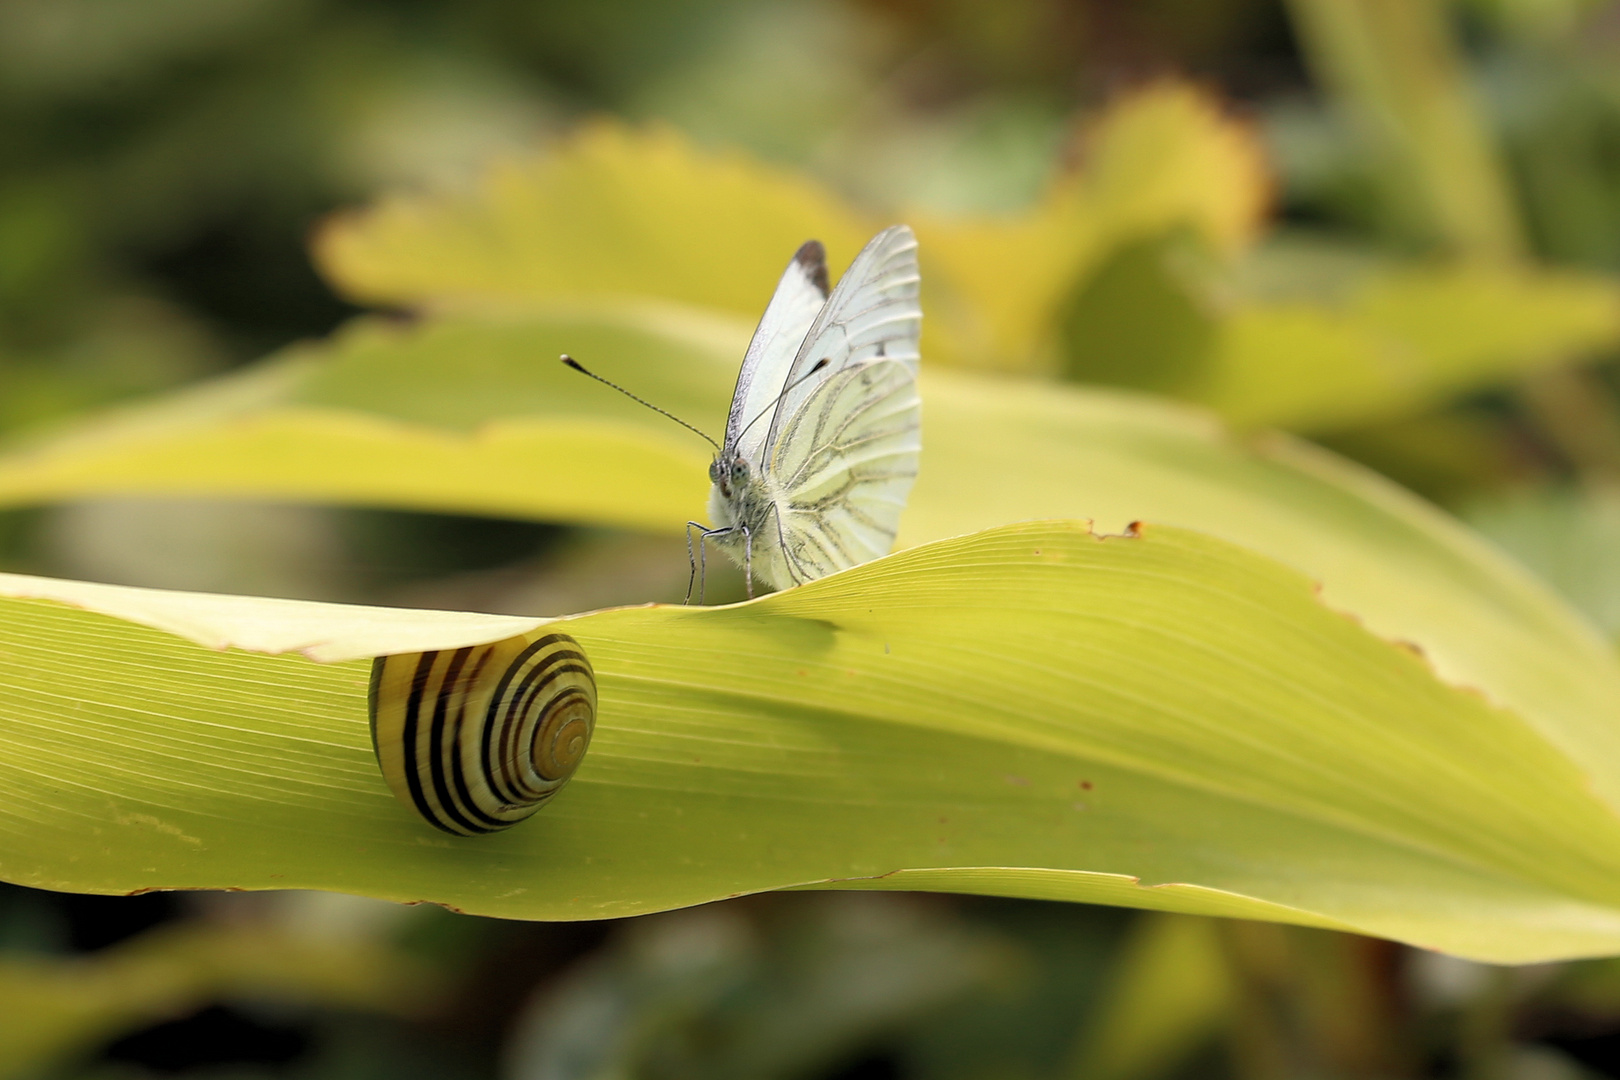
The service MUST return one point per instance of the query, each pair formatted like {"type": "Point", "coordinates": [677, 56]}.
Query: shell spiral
{"type": "Point", "coordinates": [477, 739]}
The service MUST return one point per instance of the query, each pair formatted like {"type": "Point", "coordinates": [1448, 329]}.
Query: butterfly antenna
{"type": "Point", "coordinates": [577, 366]}
{"type": "Point", "coordinates": [786, 390]}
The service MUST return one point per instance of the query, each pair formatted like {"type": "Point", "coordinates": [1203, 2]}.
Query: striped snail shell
{"type": "Point", "coordinates": [477, 739]}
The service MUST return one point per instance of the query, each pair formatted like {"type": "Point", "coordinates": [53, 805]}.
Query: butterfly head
{"type": "Point", "coordinates": [723, 473]}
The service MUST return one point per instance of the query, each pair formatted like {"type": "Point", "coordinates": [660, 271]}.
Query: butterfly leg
{"type": "Point", "coordinates": [692, 560]}
{"type": "Point", "coordinates": [748, 560]}
{"type": "Point", "coordinates": [703, 567]}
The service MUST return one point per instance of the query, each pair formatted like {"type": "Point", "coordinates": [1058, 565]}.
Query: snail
{"type": "Point", "coordinates": [479, 738]}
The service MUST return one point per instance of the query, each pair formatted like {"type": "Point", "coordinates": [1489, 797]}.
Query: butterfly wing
{"type": "Point", "coordinates": [844, 463]}
{"type": "Point", "coordinates": [799, 297]}
{"type": "Point", "coordinates": [873, 313]}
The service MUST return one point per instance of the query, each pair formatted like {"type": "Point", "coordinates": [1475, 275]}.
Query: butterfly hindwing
{"type": "Point", "coordinates": [845, 462]}
{"type": "Point", "coordinates": [873, 313]}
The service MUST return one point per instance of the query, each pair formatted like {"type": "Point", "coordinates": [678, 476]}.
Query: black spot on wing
{"type": "Point", "coordinates": [811, 258]}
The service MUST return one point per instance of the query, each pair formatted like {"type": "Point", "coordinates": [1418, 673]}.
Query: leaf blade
{"type": "Point", "coordinates": [777, 744]}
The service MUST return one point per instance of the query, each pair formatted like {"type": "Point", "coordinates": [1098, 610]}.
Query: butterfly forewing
{"type": "Point", "coordinates": [873, 314]}
{"type": "Point", "coordinates": [800, 295]}
{"type": "Point", "coordinates": [845, 462]}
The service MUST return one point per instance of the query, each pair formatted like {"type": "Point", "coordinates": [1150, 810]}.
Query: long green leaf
{"type": "Point", "coordinates": [1164, 721]}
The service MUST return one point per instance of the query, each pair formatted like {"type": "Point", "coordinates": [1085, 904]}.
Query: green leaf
{"type": "Point", "coordinates": [1568, 536]}
{"type": "Point", "coordinates": [765, 999]}
{"type": "Point", "coordinates": [1398, 338]}
{"type": "Point", "coordinates": [1160, 160]}
{"type": "Point", "coordinates": [1171, 988]}
{"type": "Point", "coordinates": [327, 633]}
{"type": "Point", "coordinates": [617, 213]}
{"type": "Point", "coordinates": [1163, 721]}
{"type": "Point", "coordinates": [1314, 338]}
{"type": "Point", "coordinates": [56, 1007]}
{"type": "Point", "coordinates": [611, 212]}
{"type": "Point", "coordinates": [472, 415]}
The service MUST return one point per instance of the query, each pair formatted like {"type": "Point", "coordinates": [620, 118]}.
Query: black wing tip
{"type": "Point", "coordinates": [812, 259]}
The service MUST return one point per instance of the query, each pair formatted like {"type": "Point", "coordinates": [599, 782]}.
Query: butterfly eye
{"type": "Point", "coordinates": [714, 472]}
{"type": "Point", "coordinates": [740, 469]}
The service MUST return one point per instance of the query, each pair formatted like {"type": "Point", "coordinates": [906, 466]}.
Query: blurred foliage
{"type": "Point", "coordinates": [1135, 270]}
{"type": "Point", "coordinates": [1448, 182]}
{"type": "Point", "coordinates": [55, 1007]}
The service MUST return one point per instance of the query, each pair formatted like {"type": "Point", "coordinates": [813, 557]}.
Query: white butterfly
{"type": "Point", "coordinates": [825, 426]}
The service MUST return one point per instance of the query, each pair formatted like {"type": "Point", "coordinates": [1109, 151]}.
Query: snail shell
{"type": "Point", "coordinates": [477, 739]}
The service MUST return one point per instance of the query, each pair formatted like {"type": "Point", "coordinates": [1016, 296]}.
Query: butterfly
{"type": "Point", "coordinates": [825, 425]}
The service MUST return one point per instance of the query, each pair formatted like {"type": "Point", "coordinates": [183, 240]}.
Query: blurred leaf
{"type": "Point", "coordinates": [1398, 76]}
{"type": "Point", "coordinates": [1535, 18]}
{"type": "Point", "coordinates": [1169, 154]}
{"type": "Point", "coordinates": [1315, 337]}
{"type": "Point", "coordinates": [1591, 987]}
{"type": "Point", "coordinates": [1160, 159]}
{"type": "Point", "coordinates": [1569, 536]}
{"type": "Point", "coordinates": [1554, 106]}
{"type": "Point", "coordinates": [783, 79]}
{"type": "Point", "coordinates": [129, 345]}
{"type": "Point", "coordinates": [1144, 319]}
{"type": "Point", "coordinates": [1449, 456]}
{"type": "Point", "coordinates": [1323, 337]}
{"type": "Point", "coordinates": [202, 545]}
{"type": "Point", "coordinates": [1022, 1023]}
{"type": "Point", "coordinates": [1117, 275]}
{"type": "Point", "coordinates": [610, 212]}
{"type": "Point", "coordinates": [58, 1008]}
{"type": "Point", "coordinates": [1316, 1000]}
{"type": "Point", "coordinates": [1171, 987]}
{"type": "Point", "coordinates": [1401, 337]}
{"type": "Point", "coordinates": [715, 994]}
{"type": "Point", "coordinates": [465, 415]}
{"type": "Point", "coordinates": [1544, 1063]}
{"type": "Point", "coordinates": [1164, 721]}
{"type": "Point", "coordinates": [618, 212]}
{"type": "Point", "coordinates": [74, 48]}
